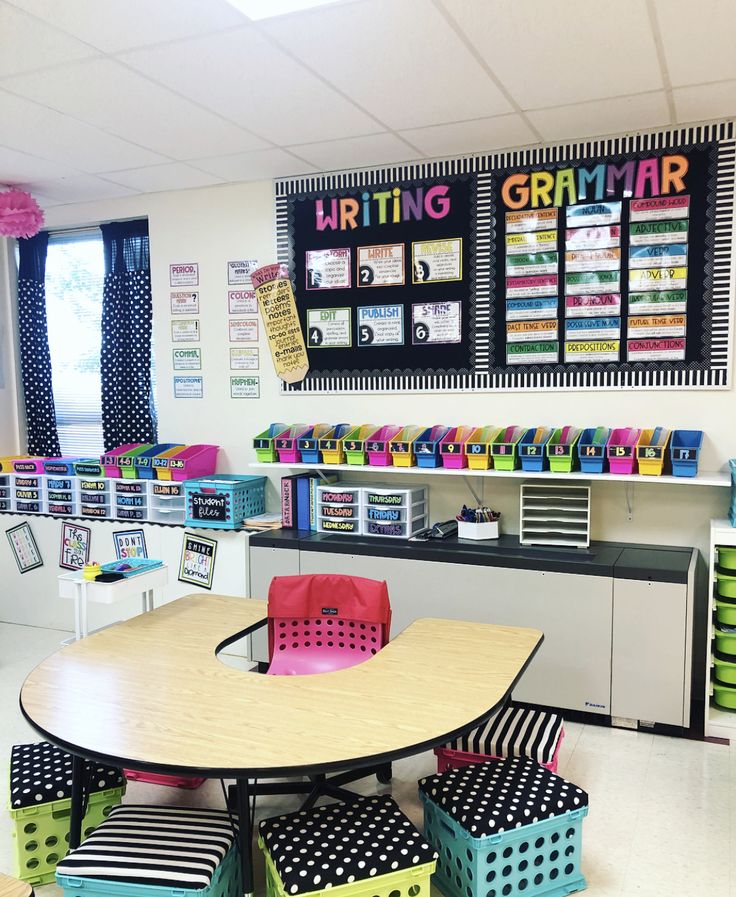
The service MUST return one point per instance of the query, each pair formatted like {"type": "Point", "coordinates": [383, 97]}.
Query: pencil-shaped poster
{"type": "Point", "coordinates": [281, 322]}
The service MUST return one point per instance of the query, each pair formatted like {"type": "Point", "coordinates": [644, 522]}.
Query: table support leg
{"type": "Point", "coordinates": [245, 836]}
{"type": "Point", "coordinates": [77, 809]}
{"type": "Point", "coordinates": [83, 615]}
{"type": "Point", "coordinates": [78, 613]}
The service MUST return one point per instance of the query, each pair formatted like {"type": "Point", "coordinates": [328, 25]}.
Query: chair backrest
{"type": "Point", "coordinates": [325, 622]}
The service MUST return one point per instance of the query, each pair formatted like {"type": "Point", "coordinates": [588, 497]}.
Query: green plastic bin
{"type": "Point", "coordinates": [725, 585]}
{"type": "Point", "coordinates": [724, 696]}
{"type": "Point", "coordinates": [727, 558]}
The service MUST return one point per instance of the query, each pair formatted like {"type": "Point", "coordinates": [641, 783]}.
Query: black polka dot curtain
{"type": "Point", "coordinates": [35, 358]}
{"type": "Point", "coordinates": [125, 358]}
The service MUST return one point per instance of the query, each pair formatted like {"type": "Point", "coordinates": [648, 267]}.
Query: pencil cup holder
{"type": "Point", "coordinates": [479, 532]}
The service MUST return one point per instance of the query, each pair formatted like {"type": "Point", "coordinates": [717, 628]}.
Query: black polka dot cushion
{"type": "Point", "coordinates": [170, 847]}
{"type": "Point", "coordinates": [42, 772]}
{"type": "Point", "coordinates": [493, 797]}
{"type": "Point", "coordinates": [514, 732]}
{"type": "Point", "coordinates": [341, 843]}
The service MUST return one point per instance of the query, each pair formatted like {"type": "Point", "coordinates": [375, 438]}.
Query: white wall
{"type": "Point", "coordinates": [214, 225]}
{"type": "Point", "coordinates": [10, 425]}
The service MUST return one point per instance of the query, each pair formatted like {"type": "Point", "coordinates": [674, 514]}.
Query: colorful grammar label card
{"type": "Point", "coordinates": [593, 328]}
{"type": "Point", "coordinates": [656, 349]}
{"type": "Point", "coordinates": [658, 256]}
{"type": "Point", "coordinates": [328, 269]}
{"type": "Point", "coordinates": [593, 214]}
{"type": "Point", "coordinates": [531, 331]}
{"type": "Point", "coordinates": [537, 241]}
{"type": "Point", "coordinates": [586, 306]}
{"type": "Point", "coordinates": [532, 353]}
{"type": "Point", "coordinates": [436, 261]}
{"type": "Point", "coordinates": [524, 264]}
{"type": "Point", "coordinates": [381, 325]}
{"type": "Point", "coordinates": [591, 282]}
{"type": "Point", "coordinates": [593, 260]}
{"type": "Point", "coordinates": [381, 266]}
{"type": "Point", "coordinates": [643, 233]}
{"type": "Point", "coordinates": [436, 322]}
{"type": "Point", "coordinates": [666, 302]}
{"type": "Point", "coordinates": [533, 219]}
{"type": "Point", "coordinates": [526, 309]}
{"type": "Point", "coordinates": [659, 208]}
{"type": "Point", "coordinates": [657, 279]}
{"type": "Point", "coordinates": [328, 328]}
{"type": "Point", "coordinates": [523, 287]}
{"type": "Point", "coordinates": [592, 351]}
{"type": "Point", "coordinates": [605, 237]}
{"type": "Point", "coordinates": [656, 326]}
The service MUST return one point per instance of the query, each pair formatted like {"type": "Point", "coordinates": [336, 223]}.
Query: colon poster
{"type": "Point", "coordinates": [596, 265]}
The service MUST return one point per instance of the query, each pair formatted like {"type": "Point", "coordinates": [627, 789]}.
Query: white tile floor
{"type": "Point", "coordinates": [661, 815]}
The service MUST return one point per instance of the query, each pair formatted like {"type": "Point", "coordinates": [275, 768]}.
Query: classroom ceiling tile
{"type": "Point", "coordinates": [246, 79]}
{"type": "Point", "coordinates": [705, 101]}
{"type": "Point", "coordinates": [78, 188]}
{"type": "Point", "coordinates": [698, 39]}
{"type": "Point", "coordinates": [269, 163]}
{"type": "Point", "coordinates": [550, 54]}
{"type": "Point", "coordinates": [66, 140]}
{"type": "Point", "coordinates": [357, 152]}
{"type": "Point", "coordinates": [173, 176]}
{"type": "Point", "coordinates": [111, 25]}
{"type": "Point", "coordinates": [397, 58]}
{"type": "Point", "coordinates": [27, 44]}
{"type": "Point", "coordinates": [106, 94]}
{"type": "Point", "coordinates": [17, 167]}
{"type": "Point", "coordinates": [471, 136]}
{"type": "Point", "coordinates": [602, 117]}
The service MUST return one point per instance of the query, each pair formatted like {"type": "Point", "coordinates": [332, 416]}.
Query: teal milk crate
{"type": "Point", "coordinates": [223, 501]}
{"type": "Point", "coordinates": [684, 451]}
{"type": "Point", "coordinates": [592, 449]}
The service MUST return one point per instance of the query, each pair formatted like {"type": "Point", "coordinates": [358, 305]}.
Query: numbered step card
{"type": "Point", "coordinates": [381, 325]}
{"type": "Point", "coordinates": [381, 266]}
{"type": "Point", "coordinates": [435, 261]}
{"type": "Point", "coordinates": [436, 322]}
{"type": "Point", "coordinates": [328, 269]}
{"type": "Point", "coordinates": [328, 328]}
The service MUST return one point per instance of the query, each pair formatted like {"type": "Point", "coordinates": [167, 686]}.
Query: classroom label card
{"type": "Point", "coordinates": [436, 261]}
{"type": "Point", "coordinates": [537, 241]}
{"type": "Point", "coordinates": [245, 387]}
{"type": "Point", "coordinates": [436, 322]}
{"type": "Point", "coordinates": [281, 322]}
{"type": "Point", "coordinates": [243, 331]}
{"type": "Point", "coordinates": [532, 353]}
{"type": "Point", "coordinates": [531, 331]}
{"type": "Point", "coordinates": [184, 302]}
{"type": "Point", "coordinates": [659, 209]}
{"type": "Point", "coordinates": [187, 359]}
{"type": "Point", "coordinates": [593, 214]}
{"type": "Point", "coordinates": [240, 272]}
{"type": "Point", "coordinates": [656, 349]}
{"type": "Point", "coordinates": [593, 260]}
{"type": "Point", "coordinates": [525, 309]}
{"type": "Point", "coordinates": [643, 233]}
{"type": "Point", "coordinates": [244, 359]}
{"type": "Point", "coordinates": [522, 287]}
{"type": "Point", "coordinates": [658, 256]}
{"type": "Point", "coordinates": [328, 328]}
{"type": "Point", "coordinates": [604, 237]}
{"type": "Point", "coordinates": [381, 325]}
{"type": "Point", "coordinates": [656, 325]}
{"type": "Point", "coordinates": [198, 554]}
{"type": "Point", "coordinates": [592, 282]}
{"type": "Point", "coordinates": [381, 266]}
{"type": "Point", "coordinates": [242, 302]}
{"type": "Point", "coordinates": [528, 263]}
{"type": "Point", "coordinates": [188, 387]}
{"type": "Point", "coordinates": [593, 328]}
{"type": "Point", "coordinates": [328, 269]}
{"type": "Point", "coordinates": [657, 279]}
{"type": "Point", "coordinates": [666, 302]}
{"type": "Point", "coordinates": [532, 220]}
{"type": "Point", "coordinates": [184, 275]}
{"type": "Point", "coordinates": [585, 306]}
{"type": "Point", "coordinates": [592, 351]}
{"type": "Point", "coordinates": [185, 331]}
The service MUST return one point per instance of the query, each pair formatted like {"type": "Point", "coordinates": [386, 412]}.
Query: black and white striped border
{"type": "Point", "coordinates": [713, 376]}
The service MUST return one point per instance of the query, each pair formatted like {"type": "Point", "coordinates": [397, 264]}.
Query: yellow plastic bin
{"type": "Point", "coordinates": [651, 451]}
{"type": "Point", "coordinates": [478, 447]}
{"type": "Point", "coordinates": [402, 446]}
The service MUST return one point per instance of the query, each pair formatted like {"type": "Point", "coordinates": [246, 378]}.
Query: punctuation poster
{"type": "Point", "coordinates": [604, 264]}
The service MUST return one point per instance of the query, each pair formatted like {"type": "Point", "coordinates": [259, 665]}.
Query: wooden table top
{"type": "Point", "coordinates": [151, 693]}
{"type": "Point", "coordinates": [12, 887]}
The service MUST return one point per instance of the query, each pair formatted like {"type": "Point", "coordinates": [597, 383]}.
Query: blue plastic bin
{"type": "Point", "coordinates": [684, 451]}
{"type": "Point", "coordinates": [427, 446]}
{"type": "Point", "coordinates": [61, 467]}
{"type": "Point", "coordinates": [223, 501]}
{"type": "Point", "coordinates": [592, 449]}
{"type": "Point", "coordinates": [308, 443]}
{"type": "Point", "coordinates": [533, 454]}
{"type": "Point", "coordinates": [143, 467]}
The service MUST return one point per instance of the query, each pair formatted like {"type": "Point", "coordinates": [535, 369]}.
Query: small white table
{"type": "Point", "coordinates": [74, 585]}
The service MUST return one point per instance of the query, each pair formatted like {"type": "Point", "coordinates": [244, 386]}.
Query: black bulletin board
{"type": "Point", "coordinates": [501, 256]}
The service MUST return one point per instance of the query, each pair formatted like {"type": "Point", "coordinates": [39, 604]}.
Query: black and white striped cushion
{"type": "Point", "coordinates": [514, 732]}
{"type": "Point", "coordinates": [173, 847]}
{"type": "Point", "coordinates": [341, 843]}
{"type": "Point", "coordinates": [42, 772]}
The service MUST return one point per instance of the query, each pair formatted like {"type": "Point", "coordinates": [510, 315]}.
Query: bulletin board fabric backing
{"type": "Point", "coordinates": [605, 264]}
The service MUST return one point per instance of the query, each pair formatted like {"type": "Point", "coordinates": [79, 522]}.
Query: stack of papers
{"type": "Point", "coordinates": [263, 521]}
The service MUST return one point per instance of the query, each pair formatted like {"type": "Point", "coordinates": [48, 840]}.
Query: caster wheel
{"type": "Point", "coordinates": [384, 774]}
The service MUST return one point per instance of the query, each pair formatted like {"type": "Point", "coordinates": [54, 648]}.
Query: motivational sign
{"type": "Point", "coordinates": [281, 322]}
{"type": "Point", "coordinates": [74, 546]}
{"type": "Point", "coordinates": [184, 275]}
{"type": "Point", "coordinates": [130, 543]}
{"type": "Point", "coordinates": [197, 565]}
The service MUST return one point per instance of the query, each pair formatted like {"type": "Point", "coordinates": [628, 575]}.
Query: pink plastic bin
{"type": "Point", "coordinates": [452, 447]}
{"type": "Point", "coordinates": [28, 465]}
{"type": "Point", "coordinates": [154, 778]}
{"type": "Point", "coordinates": [110, 459]}
{"type": "Point", "coordinates": [621, 450]}
{"type": "Point", "coordinates": [449, 758]}
{"type": "Point", "coordinates": [286, 444]}
{"type": "Point", "coordinates": [191, 462]}
{"type": "Point", "coordinates": [378, 448]}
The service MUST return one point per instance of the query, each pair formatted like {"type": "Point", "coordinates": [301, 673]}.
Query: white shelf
{"type": "Point", "coordinates": [720, 723]}
{"type": "Point", "coordinates": [705, 478]}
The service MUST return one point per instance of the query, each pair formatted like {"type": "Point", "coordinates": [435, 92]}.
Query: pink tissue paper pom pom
{"type": "Point", "coordinates": [20, 214]}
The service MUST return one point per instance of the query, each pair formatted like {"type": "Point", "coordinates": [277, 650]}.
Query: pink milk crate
{"type": "Point", "coordinates": [452, 447]}
{"type": "Point", "coordinates": [621, 450]}
{"type": "Point", "coordinates": [287, 444]}
{"type": "Point", "coordinates": [378, 446]}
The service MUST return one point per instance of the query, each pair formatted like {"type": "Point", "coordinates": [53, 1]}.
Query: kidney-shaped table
{"type": "Point", "coordinates": [151, 694]}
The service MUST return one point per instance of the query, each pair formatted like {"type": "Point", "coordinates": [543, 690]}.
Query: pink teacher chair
{"type": "Point", "coordinates": [325, 622]}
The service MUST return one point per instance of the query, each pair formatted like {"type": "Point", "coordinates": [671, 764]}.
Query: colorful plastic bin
{"type": "Point", "coordinates": [651, 451]}
{"type": "Point", "coordinates": [153, 778]}
{"type": "Point", "coordinates": [402, 446]}
{"type": "Point", "coordinates": [592, 449]}
{"type": "Point", "coordinates": [89, 467]}
{"type": "Point", "coordinates": [532, 449]}
{"type": "Point", "coordinates": [561, 449]}
{"type": "Point", "coordinates": [286, 444]}
{"type": "Point", "coordinates": [28, 465]}
{"type": "Point", "coordinates": [331, 444]}
{"type": "Point", "coordinates": [727, 559]}
{"type": "Point", "coordinates": [143, 463]}
{"type": "Point", "coordinates": [724, 696]}
{"type": "Point", "coordinates": [223, 501]}
{"type": "Point", "coordinates": [504, 448]}
{"type": "Point", "coordinates": [308, 443]}
{"type": "Point", "coordinates": [621, 450]}
{"type": "Point", "coordinates": [478, 447]}
{"type": "Point", "coordinates": [377, 446]}
{"type": "Point", "coordinates": [354, 443]}
{"type": "Point", "coordinates": [191, 462]}
{"type": "Point", "coordinates": [60, 467]}
{"type": "Point", "coordinates": [111, 459]}
{"type": "Point", "coordinates": [264, 443]}
{"type": "Point", "coordinates": [452, 447]}
{"type": "Point", "coordinates": [684, 452]}
{"type": "Point", "coordinates": [6, 462]}
{"type": "Point", "coordinates": [427, 446]}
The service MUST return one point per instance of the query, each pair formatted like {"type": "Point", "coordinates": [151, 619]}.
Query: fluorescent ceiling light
{"type": "Point", "coordinates": [268, 9]}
